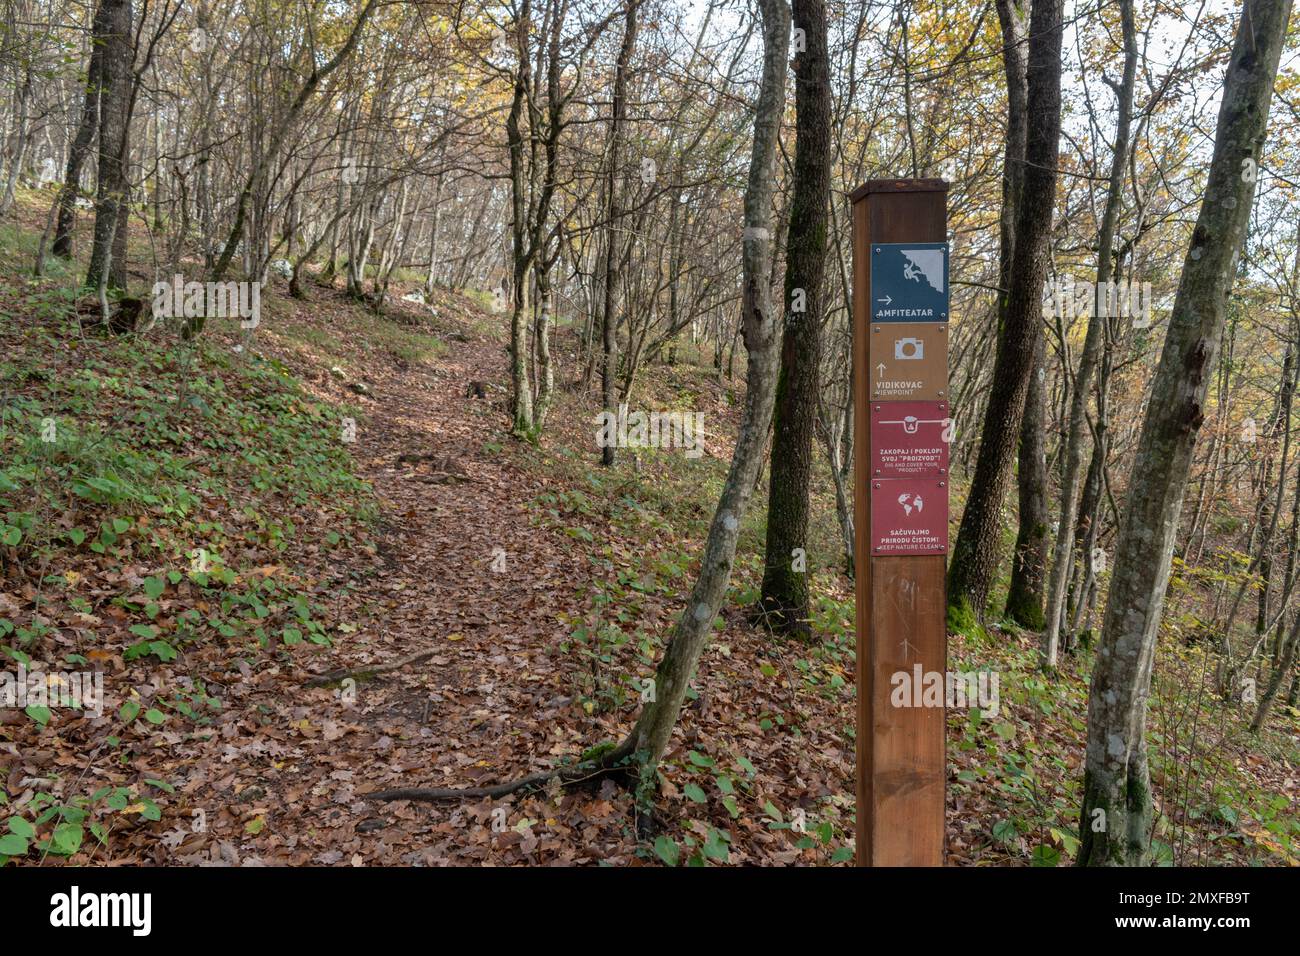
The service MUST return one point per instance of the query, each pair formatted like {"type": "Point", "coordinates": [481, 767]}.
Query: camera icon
{"type": "Point", "coordinates": [909, 348]}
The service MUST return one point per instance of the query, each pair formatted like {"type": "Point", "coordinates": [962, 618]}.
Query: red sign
{"type": "Point", "coordinates": [909, 516]}
{"type": "Point", "coordinates": [910, 439]}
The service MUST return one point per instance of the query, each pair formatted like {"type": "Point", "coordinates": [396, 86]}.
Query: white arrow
{"type": "Point", "coordinates": [887, 300]}
{"type": "Point", "coordinates": [880, 369]}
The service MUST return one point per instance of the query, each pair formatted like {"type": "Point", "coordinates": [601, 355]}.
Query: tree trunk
{"type": "Point", "coordinates": [1025, 595]}
{"type": "Point", "coordinates": [86, 130]}
{"type": "Point", "coordinates": [1064, 551]}
{"type": "Point", "coordinates": [613, 272]}
{"type": "Point", "coordinates": [1117, 787]}
{"type": "Point", "coordinates": [542, 333]}
{"type": "Point", "coordinates": [785, 579]}
{"type": "Point", "coordinates": [649, 738]}
{"type": "Point", "coordinates": [112, 194]}
{"type": "Point", "coordinates": [1024, 604]}
{"type": "Point", "coordinates": [975, 554]}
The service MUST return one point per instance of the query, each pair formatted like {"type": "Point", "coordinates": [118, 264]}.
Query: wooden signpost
{"type": "Point", "coordinates": [902, 431]}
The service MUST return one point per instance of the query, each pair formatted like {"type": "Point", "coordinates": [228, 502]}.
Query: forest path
{"type": "Point", "coordinates": [464, 576]}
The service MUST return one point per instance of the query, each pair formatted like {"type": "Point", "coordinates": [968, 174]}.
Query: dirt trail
{"type": "Point", "coordinates": [463, 576]}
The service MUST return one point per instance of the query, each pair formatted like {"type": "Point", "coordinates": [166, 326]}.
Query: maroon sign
{"type": "Point", "coordinates": [909, 516]}
{"type": "Point", "coordinates": [908, 439]}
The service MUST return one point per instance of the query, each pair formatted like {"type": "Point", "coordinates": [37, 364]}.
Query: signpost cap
{"type": "Point", "coordinates": [898, 186]}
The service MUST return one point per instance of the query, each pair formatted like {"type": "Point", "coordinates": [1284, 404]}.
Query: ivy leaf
{"type": "Point", "coordinates": [693, 792]}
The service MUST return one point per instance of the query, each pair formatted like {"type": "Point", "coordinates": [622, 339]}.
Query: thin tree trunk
{"type": "Point", "coordinates": [1064, 552]}
{"type": "Point", "coordinates": [649, 738]}
{"type": "Point", "coordinates": [613, 272]}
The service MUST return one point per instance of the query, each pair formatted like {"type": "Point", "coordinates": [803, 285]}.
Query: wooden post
{"type": "Point", "coordinates": [900, 355]}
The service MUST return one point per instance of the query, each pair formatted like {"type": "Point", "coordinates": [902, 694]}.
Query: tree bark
{"type": "Point", "coordinates": [111, 196]}
{"type": "Point", "coordinates": [1117, 787]}
{"type": "Point", "coordinates": [1025, 595]}
{"type": "Point", "coordinates": [613, 244]}
{"type": "Point", "coordinates": [975, 554]}
{"type": "Point", "coordinates": [785, 580]}
{"type": "Point", "coordinates": [1064, 551]}
{"type": "Point", "coordinates": [649, 738]}
{"type": "Point", "coordinates": [1024, 605]}
{"type": "Point", "coordinates": [86, 130]}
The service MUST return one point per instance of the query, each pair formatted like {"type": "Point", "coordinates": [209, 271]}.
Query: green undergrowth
{"type": "Point", "coordinates": [203, 473]}
{"type": "Point", "coordinates": [171, 508]}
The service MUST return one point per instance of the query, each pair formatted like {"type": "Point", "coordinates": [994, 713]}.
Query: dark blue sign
{"type": "Point", "coordinates": [909, 282]}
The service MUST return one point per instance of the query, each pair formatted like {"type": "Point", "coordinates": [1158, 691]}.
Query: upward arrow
{"type": "Point", "coordinates": [880, 369]}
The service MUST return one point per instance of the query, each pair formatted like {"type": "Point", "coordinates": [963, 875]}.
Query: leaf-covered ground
{"type": "Point", "coordinates": [204, 529]}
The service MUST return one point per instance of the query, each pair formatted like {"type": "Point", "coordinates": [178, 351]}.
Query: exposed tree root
{"type": "Point", "coordinates": [608, 762]}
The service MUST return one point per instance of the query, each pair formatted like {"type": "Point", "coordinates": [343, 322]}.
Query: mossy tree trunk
{"type": "Point", "coordinates": [785, 572]}
{"type": "Point", "coordinates": [1030, 474]}
{"type": "Point", "coordinates": [1116, 817]}
{"type": "Point", "coordinates": [1025, 595]}
{"type": "Point", "coordinates": [975, 553]}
